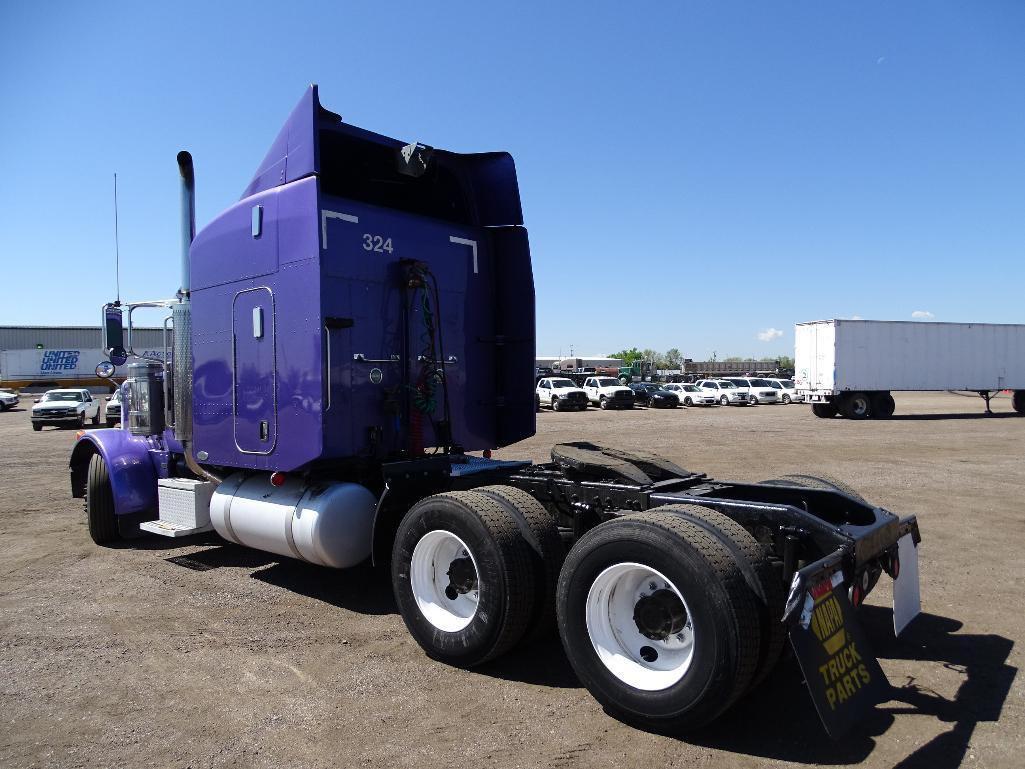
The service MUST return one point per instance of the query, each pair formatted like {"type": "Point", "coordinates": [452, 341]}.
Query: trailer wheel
{"type": "Point", "coordinates": [824, 410]}
{"type": "Point", "coordinates": [764, 579]}
{"type": "Point", "coordinates": [657, 621]}
{"type": "Point", "coordinates": [825, 482]}
{"type": "Point", "coordinates": [462, 577]}
{"type": "Point", "coordinates": [857, 406]}
{"type": "Point", "coordinates": [99, 503]}
{"type": "Point", "coordinates": [883, 405]}
{"type": "Point", "coordinates": [541, 532]}
{"type": "Point", "coordinates": [1018, 401]}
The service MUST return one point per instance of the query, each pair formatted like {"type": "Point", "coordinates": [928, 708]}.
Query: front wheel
{"type": "Point", "coordinates": [724, 400]}
{"type": "Point", "coordinates": [36, 427]}
{"type": "Point", "coordinates": [463, 577]}
{"type": "Point", "coordinates": [688, 401]}
{"type": "Point", "coordinates": [603, 402]}
{"type": "Point", "coordinates": [657, 621]}
{"type": "Point", "coordinates": [81, 421]}
{"type": "Point", "coordinates": [99, 503]}
{"type": "Point", "coordinates": [96, 419]}
{"type": "Point", "coordinates": [786, 399]}
{"type": "Point", "coordinates": [556, 405]}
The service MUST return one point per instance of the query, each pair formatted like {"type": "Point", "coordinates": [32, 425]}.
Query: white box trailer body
{"type": "Point", "coordinates": [837, 357]}
{"type": "Point", "coordinates": [57, 367]}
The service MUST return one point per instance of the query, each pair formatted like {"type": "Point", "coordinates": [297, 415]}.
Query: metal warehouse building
{"type": "Point", "coordinates": [62, 337]}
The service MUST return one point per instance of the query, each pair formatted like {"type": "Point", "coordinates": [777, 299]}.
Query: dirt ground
{"type": "Point", "coordinates": [199, 654]}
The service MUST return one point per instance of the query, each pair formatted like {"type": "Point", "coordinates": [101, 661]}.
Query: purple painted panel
{"type": "Point", "coordinates": [133, 476]}
{"type": "Point", "coordinates": [226, 250]}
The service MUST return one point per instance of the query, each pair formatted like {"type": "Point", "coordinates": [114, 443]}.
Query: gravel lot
{"type": "Point", "coordinates": [229, 657]}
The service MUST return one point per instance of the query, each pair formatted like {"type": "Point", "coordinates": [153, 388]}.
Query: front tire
{"type": "Point", "coordinates": [556, 406]}
{"type": "Point", "coordinates": [786, 399]}
{"type": "Point", "coordinates": [99, 503]}
{"type": "Point", "coordinates": [603, 402]}
{"type": "Point", "coordinates": [463, 577]}
{"type": "Point", "coordinates": [657, 621]}
{"type": "Point", "coordinates": [724, 400]}
{"type": "Point", "coordinates": [36, 427]}
{"type": "Point", "coordinates": [688, 401]}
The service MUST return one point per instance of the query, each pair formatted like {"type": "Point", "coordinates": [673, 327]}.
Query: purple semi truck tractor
{"type": "Point", "coordinates": [356, 324]}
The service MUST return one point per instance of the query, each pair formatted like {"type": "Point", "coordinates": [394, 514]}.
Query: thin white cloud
{"type": "Point", "coordinates": [880, 60]}
{"type": "Point", "coordinates": [923, 314]}
{"type": "Point", "coordinates": [769, 334]}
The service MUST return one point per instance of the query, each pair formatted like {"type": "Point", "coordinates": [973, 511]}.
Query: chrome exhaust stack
{"type": "Point", "coordinates": [181, 315]}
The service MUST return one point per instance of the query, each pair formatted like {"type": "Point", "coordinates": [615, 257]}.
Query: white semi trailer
{"type": "Point", "coordinates": [851, 367]}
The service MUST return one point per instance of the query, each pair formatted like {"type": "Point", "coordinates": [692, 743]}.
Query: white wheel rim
{"type": "Point", "coordinates": [429, 578]}
{"type": "Point", "coordinates": [636, 659]}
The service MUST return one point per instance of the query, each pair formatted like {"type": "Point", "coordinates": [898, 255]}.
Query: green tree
{"type": "Point", "coordinates": [785, 361]}
{"type": "Point", "coordinates": [673, 359]}
{"type": "Point", "coordinates": [628, 356]}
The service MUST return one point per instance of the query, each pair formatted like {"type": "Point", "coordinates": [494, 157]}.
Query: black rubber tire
{"type": "Point", "coordinates": [99, 503]}
{"type": "Point", "coordinates": [36, 427]}
{"type": "Point", "coordinates": [688, 401]}
{"type": "Point", "coordinates": [883, 405]}
{"type": "Point", "coordinates": [603, 402]}
{"type": "Point", "coordinates": [724, 400]}
{"type": "Point", "coordinates": [857, 406]}
{"type": "Point", "coordinates": [81, 421]}
{"type": "Point", "coordinates": [717, 595]}
{"type": "Point", "coordinates": [541, 532]}
{"type": "Point", "coordinates": [825, 482]}
{"type": "Point", "coordinates": [1018, 401]}
{"type": "Point", "coordinates": [506, 576]}
{"type": "Point", "coordinates": [556, 406]}
{"type": "Point", "coordinates": [786, 399]}
{"type": "Point", "coordinates": [96, 419]}
{"type": "Point", "coordinates": [824, 410]}
{"type": "Point", "coordinates": [764, 579]}
{"type": "Point", "coordinates": [111, 422]}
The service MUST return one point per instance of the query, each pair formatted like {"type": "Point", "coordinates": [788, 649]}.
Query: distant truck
{"type": "Point", "coordinates": [851, 367]}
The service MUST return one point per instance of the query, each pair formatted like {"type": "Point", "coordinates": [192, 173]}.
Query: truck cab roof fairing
{"type": "Point", "coordinates": [315, 141]}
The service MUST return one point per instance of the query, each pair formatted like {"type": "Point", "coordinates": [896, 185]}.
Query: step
{"type": "Point", "coordinates": [168, 529]}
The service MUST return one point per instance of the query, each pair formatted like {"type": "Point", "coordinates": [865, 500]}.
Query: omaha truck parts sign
{"type": "Point", "coordinates": [843, 675]}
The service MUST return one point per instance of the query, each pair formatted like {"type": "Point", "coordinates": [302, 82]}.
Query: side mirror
{"type": "Point", "coordinates": [114, 335]}
{"type": "Point", "coordinates": [105, 370]}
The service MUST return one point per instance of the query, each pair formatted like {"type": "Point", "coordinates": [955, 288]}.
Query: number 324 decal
{"type": "Point", "coordinates": [376, 243]}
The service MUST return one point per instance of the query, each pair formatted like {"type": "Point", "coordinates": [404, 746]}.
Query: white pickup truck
{"type": "Point", "coordinates": [607, 393]}
{"type": "Point", "coordinates": [561, 394]}
{"type": "Point", "coordinates": [70, 408]}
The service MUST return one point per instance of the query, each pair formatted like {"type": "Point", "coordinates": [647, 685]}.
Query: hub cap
{"type": "Point", "coordinates": [640, 627]}
{"type": "Point", "coordinates": [443, 576]}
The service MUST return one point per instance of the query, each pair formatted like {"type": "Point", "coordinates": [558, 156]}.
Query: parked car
{"type": "Point", "coordinates": [68, 408]}
{"type": "Point", "coordinates": [787, 390]}
{"type": "Point", "coordinates": [654, 395]}
{"type": "Point", "coordinates": [561, 394]}
{"type": "Point", "coordinates": [113, 409]}
{"type": "Point", "coordinates": [8, 400]}
{"type": "Point", "coordinates": [758, 390]}
{"type": "Point", "coordinates": [608, 393]}
{"type": "Point", "coordinates": [692, 395]}
{"type": "Point", "coordinates": [727, 393]}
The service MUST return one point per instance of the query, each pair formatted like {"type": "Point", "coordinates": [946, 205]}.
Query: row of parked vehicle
{"type": "Point", "coordinates": [564, 394]}
{"type": "Point", "coordinates": [67, 407]}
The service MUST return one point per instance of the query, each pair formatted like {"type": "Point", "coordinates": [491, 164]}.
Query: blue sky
{"type": "Point", "coordinates": [693, 175]}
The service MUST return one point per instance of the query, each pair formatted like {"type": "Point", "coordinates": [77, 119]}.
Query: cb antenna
{"type": "Point", "coordinates": [117, 250]}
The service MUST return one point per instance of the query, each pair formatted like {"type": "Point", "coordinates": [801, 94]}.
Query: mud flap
{"type": "Point", "coordinates": [907, 598]}
{"type": "Point", "coordinates": [842, 673]}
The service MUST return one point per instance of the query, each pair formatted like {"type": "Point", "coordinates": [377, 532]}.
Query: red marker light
{"type": "Point", "coordinates": [487, 453]}
{"type": "Point", "coordinates": [277, 479]}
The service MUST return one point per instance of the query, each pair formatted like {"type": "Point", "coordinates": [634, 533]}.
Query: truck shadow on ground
{"type": "Point", "coordinates": [939, 417]}
{"type": "Point", "coordinates": [763, 723]}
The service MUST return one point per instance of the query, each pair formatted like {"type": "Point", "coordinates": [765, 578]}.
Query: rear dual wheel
{"type": "Point", "coordinates": [474, 573]}
{"type": "Point", "coordinates": [1018, 401]}
{"type": "Point", "coordinates": [669, 616]}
